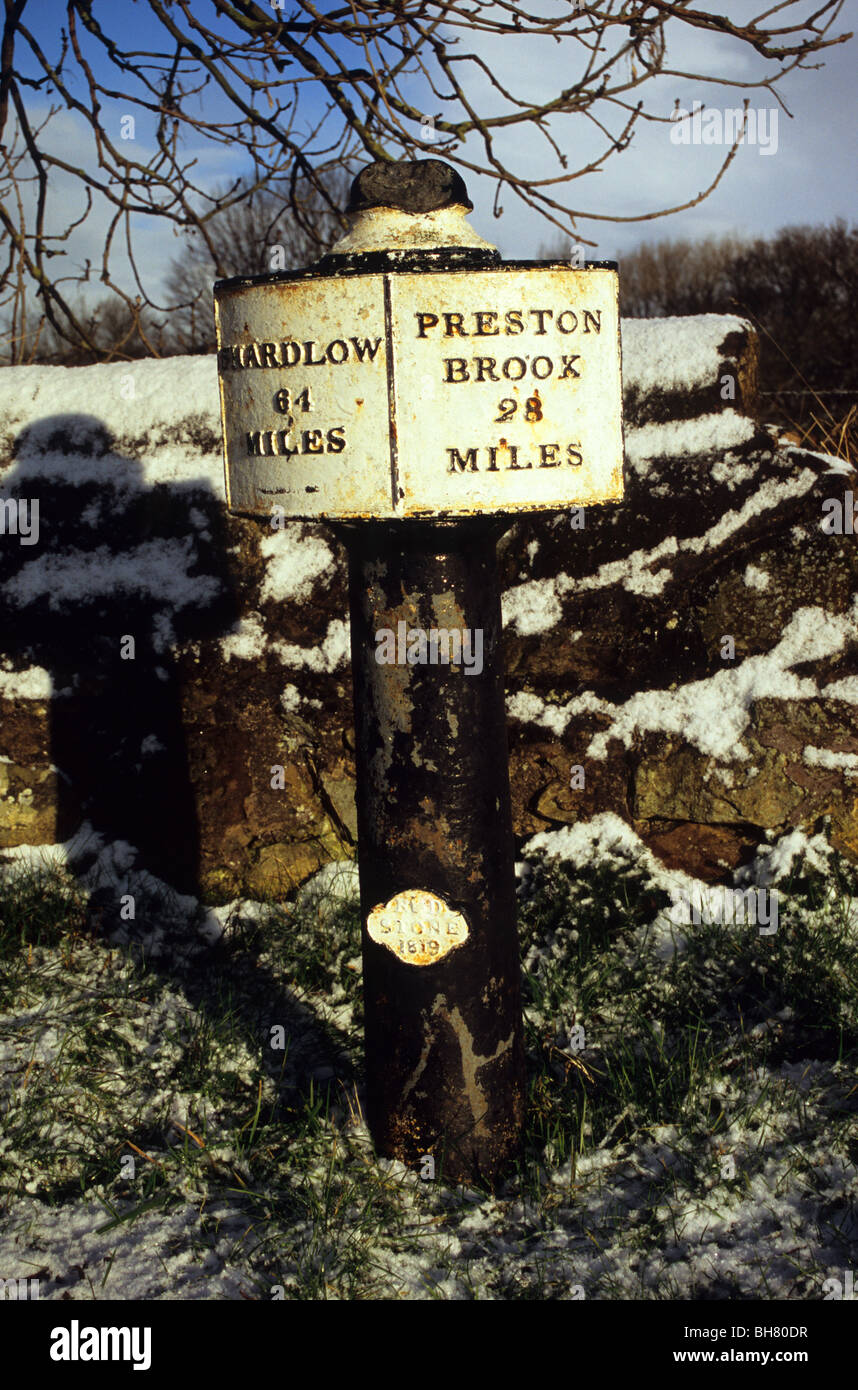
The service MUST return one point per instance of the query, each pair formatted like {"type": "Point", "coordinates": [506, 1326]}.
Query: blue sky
{"type": "Point", "coordinates": [810, 178]}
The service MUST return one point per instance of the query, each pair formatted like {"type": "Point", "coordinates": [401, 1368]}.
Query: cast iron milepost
{"type": "Point", "coordinates": [417, 392]}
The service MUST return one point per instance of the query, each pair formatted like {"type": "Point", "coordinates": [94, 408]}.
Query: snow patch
{"type": "Point", "coordinates": [531, 607]}
{"type": "Point", "coordinates": [708, 434]}
{"type": "Point", "coordinates": [157, 568]}
{"type": "Point", "coordinates": [675, 353]}
{"type": "Point", "coordinates": [334, 651]}
{"type": "Point", "coordinates": [712, 713]}
{"type": "Point", "coordinates": [292, 700]}
{"type": "Point", "coordinates": [825, 757]}
{"type": "Point", "coordinates": [756, 578]}
{"type": "Point", "coordinates": [33, 683]}
{"type": "Point", "coordinates": [295, 561]}
{"type": "Point", "coordinates": [246, 641]}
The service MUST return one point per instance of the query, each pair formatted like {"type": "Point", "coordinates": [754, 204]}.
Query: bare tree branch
{"type": "Point", "coordinates": [293, 93]}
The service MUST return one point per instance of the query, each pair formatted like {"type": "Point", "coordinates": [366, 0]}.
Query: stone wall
{"type": "Point", "coordinates": [179, 679]}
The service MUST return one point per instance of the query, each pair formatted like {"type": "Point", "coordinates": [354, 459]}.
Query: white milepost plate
{"type": "Point", "coordinates": [304, 397]}
{"type": "Point", "coordinates": [422, 394]}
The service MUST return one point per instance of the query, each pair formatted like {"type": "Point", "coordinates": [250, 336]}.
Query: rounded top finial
{"type": "Point", "coordinates": [416, 185]}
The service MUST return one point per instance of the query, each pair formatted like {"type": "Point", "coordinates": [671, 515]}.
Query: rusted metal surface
{"type": "Point", "coordinates": [444, 1051]}
{"type": "Point", "coordinates": [485, 390]}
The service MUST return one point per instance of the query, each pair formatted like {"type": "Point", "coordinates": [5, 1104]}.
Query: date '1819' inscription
{"type": "Point", "coordinates": [417, 926]}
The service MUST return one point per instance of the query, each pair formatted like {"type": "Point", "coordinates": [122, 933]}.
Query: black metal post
{"type": "Point", "coordinates": [444, 1048]}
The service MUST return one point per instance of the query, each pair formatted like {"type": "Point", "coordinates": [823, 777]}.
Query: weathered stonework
{"type": "Point", "coordinates": [247, 624]}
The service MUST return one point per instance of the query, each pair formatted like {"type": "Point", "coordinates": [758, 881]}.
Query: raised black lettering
{"type": "Point", "coordinates": [486, 369]}
{"type": "Point", "coordinates": [456, 460]}
{"type": "Point", "coordinates": [516, 375]}
{"type": "Point", "coordinates": [546, 455]}
{"type": "Point", "coordinates": [568, 369]}
{"type": "Point", "coordinates": [458, 365]}
{"type": "Point", "coordinates": [336, 439]}
{"type": "Point", "coordinates": [594, 318]}
{"type": "Point", "coordinates": [514, 322]}
{"type": "Point", "coordinates": [483, 317]}
{"type": "Point", "coordinates": [262, 443]}
{"type": "Point", "coordinates": [541, 315]}
{"type": "Point", "coordinates": [567, 314]}
{"type": "Point", "coordinates": [364, 348]}
{"type": "Point", "coordinates": [576, 458]}
{"type": "Point", "coordinates": [454, 324]}
{"type": "Point", "coordinates": [268, 354]}
{"type": "Point", "coordinates": [311, 442]}
{"type": "Point", "coordinates": [425, 321]}
{"type": "Point", "coordinates": [341, 354]}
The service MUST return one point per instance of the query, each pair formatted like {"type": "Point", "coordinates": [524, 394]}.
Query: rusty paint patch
{"type": "Point", "coordinates": [417, 926]}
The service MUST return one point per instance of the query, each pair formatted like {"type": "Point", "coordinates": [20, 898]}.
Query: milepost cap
{"type": "Point", "coordinates": [416, 186]}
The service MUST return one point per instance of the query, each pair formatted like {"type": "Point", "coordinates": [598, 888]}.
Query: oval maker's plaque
{"type": "Point", "coordinates": [417, 926]}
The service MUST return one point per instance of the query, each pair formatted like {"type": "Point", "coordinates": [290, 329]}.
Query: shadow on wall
{"type": "Point", "coordinates": [105, 576]}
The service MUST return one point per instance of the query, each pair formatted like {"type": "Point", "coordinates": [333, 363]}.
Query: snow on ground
{"type": "Point", "coordinates": [658, 1214]}
{"type": "Point", "coordinates": [708, 434]}
{"type": "Point", "coordinates": [835, 465]}
{"type": "Point", "coordinates": [333, 651]}
{"type": "Point", "coordinates": [826, 757]}
{"type": "Point", "coordinates": [754, 578]}
{"type": "Point", "coordinates": [158, 406]}
{"type": "Point", "coordinates": [138, 433]}
{"type": "Point", "coordinates": [31, 683]}
{"type": "Point", "coordinates": [247, 641]}
{"type": "Point", "coordinates": [643, 1215]}
{"type": "Point", "coordinates": [844, 689]}
{"type": "Point", "coordinates": [158, 569]}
